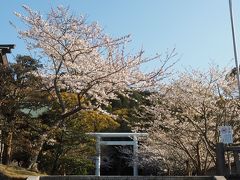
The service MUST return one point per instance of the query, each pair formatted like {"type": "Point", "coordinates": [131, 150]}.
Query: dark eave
{"type": "Point", "coordinates": [6, 48]}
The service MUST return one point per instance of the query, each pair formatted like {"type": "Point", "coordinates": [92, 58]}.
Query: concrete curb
{"type": "Point", "coordinates": [220, 178]}
{"type": "Point", "coordinates": [33, 178]}
{"type": "Point", "coordinates": [76, 177]}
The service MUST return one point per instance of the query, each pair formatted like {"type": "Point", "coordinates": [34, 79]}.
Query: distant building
{"type": "Point", "coordinates": [4, 49]}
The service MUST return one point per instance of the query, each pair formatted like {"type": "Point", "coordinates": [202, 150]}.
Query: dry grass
{"type": "Point", "coordinates": [17, 172]}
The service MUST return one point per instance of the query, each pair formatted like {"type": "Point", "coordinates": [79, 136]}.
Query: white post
{"type": "Point", "coordinates": [135, 156]}
{"type": "Point", "coordinates": [98, 157]}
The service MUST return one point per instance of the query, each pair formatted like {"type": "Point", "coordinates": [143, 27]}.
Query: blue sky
{"type": "Point", "coordinates": [199, 29]}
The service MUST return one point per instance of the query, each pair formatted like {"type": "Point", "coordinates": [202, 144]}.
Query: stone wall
{"type": "Point", "coordinates": [131, 178]}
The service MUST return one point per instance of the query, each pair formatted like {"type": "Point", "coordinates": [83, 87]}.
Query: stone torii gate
{"type": "Point", "coordinates": [134, 143]}
{"type": "Point", "coordinates": [4, 49]}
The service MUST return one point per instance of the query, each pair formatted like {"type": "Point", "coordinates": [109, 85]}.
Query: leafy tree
{"type": "Point", "coordinates": [127, 108]}
{"type": "Point", "coordinates": [70, 150]}
{"type": "Point", "coordinates": [19, 89]}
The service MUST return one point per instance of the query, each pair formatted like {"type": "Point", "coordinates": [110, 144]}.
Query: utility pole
{"type": "Point", "coordinates": [234, 47]}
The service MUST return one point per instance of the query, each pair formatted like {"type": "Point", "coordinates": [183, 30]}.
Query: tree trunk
{"type": "Point", "coordinates": [55, 163]}
{"type": "Point", "coordinates": [188, 168]}
{"type": "Point", "coordinates": [36, 152]}
{"type": "Point", "coordinates": [7, 149]}
{"type": "Point", "coordinates": [59, 152]}
{"type": "Point", "coordinates": [198, 159]}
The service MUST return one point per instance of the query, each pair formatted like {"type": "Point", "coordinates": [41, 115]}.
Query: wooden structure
{"type": "Point", "coordinates": [4, 49]}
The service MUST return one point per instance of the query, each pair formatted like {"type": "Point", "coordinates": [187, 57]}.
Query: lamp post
{"type": "Point", "coordinates": [234, 46]}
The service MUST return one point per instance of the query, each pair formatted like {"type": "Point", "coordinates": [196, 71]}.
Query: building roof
{"type": "Point", "coordinates": [4, 49]}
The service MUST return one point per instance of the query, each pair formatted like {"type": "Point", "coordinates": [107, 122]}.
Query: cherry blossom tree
{"type": "Point", "coordinates": [82, 60]}
{"type": "Point", "coordinates": [186, 118]}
